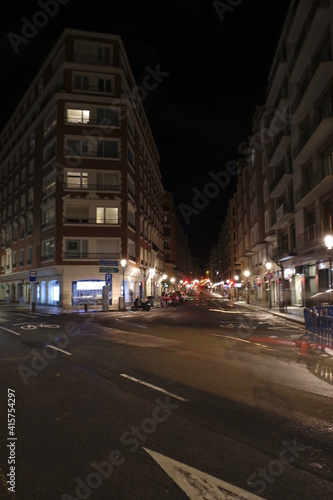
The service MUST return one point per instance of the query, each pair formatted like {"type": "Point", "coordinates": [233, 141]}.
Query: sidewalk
{"type": "Point", "coordinates": [294, 313]}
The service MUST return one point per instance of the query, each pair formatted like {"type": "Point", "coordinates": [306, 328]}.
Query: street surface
{"type": "Point", "coordinates": [209, 399]}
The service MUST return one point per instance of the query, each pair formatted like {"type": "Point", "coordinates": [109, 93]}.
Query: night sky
{"type": "Point", "coordinates": [214, 68]}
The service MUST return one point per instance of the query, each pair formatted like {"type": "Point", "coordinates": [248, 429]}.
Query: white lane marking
{"type": "Point", "coordinates": [197, 484]}
{"type": "Point", "coordinates": [153, 387]}
{"type": "Point", "coordinates": [11, 331]}
{"type": "Point", "coordinates": [3, 320]}
{"type": "Point", "coordinates": [129, 323]}
{"type": "Point", "coordinates": [236, 338]}
{"type": "Point", "coordinates": [224, 311]}
{"type": "Point", "coordinates": [57, 349]}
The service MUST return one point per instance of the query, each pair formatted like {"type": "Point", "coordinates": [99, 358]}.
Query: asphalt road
{"type": "Point", "coordinates": [207, 400]}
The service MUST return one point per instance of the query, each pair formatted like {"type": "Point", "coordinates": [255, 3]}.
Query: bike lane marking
{"type": "Point", "coordinates": [58, 349]}
{"type": "Point", "coordinates": [11, 331]}
{"type": "Point", "coordinates": [153, 387]}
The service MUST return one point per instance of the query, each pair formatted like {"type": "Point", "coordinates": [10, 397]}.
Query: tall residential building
{"type": "Point", "coordinates": [290, 166]}
{"type": "Point", "coordinates": [81, 187]}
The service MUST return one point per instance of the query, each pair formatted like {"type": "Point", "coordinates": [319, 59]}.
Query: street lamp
{"type": "Point", "coordinates": [123, 263]}
{"type": "Point", "coordinates": [269, 276]}
{"type": "Point", "coordinates": [173, 282]}
{"type": "Point", "coordinates": [329, 243]}
{"type": "Point", "coordinates": [247, 274]}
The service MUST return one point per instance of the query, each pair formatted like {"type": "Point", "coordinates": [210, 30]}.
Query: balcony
{"type": "Point", "coordinates": [94, 220]}
{"type": "Point", "coordinates": [315, 25]}
{"type": "Point", "coordinates": [283, 214]}
{"type": "Point", "coordinates": [278, 146]}
{"type": "Point", "coordinates": [280, 182]}
{"type": "Point", "coordinates": [115, 188]}
{"type": "Point", "coordinates": [83, 153]}
{"type": "Point", "coordinates": [90, 256]}
{"type": "Point", "coordinates": [313, 236]}
{"type": "Point", "coordinates": [316, 80]}
{"type": "Point", "coordinates": [283, 251]}
{"type": "Point", "coordinates": [93, 59]}
{"type": "Point", "coordinates": [317, 185]}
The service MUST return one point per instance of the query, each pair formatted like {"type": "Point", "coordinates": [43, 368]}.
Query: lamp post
{"type": "Point", "coordinates": [152, 274]}
{"type": "Point", "coordinates": [173, 282]}
{"type": "Point", "coordinates": [329, 243]}
{"type": "Point", "coordinates": [269, 276]}
{"type": "Point", "coordinates": [123, 263]}
{"type": "Point", "coordinates": [247, 274]}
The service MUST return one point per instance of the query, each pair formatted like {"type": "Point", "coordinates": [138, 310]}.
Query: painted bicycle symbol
{"type": "Point", "coordinates": [31, 326]}
{"type": "Point", "coordinates": [244, 326]}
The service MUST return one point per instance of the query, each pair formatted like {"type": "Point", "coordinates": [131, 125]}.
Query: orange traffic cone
{"type": "Point", "coordinates": [304, 347]}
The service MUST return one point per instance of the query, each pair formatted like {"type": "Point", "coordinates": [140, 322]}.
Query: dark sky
{"type": "Point", "coordinates": [217, 66]}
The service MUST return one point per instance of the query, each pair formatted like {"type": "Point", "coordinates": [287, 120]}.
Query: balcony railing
{"type": "Point", "coordinates": [285, 169]}
{"type": "Point", "coordinates": [86, 220]}
{"type": "Point", "coordinates": [93, 59]}
{"type": "Point", "coordinates": [281, 211]}
{"type": "Point", "coordinates": [92, 154]}
{"type": "Point", "coordinates": [312, 234]}
{"type": "Point", "coordinates": [325, 111]}
{"type": "Point", "coordinates": [325, 170]}
{"type": "Point", "coordinates": [91, 256]}
{"type": "Point", "coordinates": [93, 187]}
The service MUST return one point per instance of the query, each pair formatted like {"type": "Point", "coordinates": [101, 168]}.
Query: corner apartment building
{"type": "Point", "coordinates": [289, 172]}
{"type": "Point", "coordinates": [80, 182]}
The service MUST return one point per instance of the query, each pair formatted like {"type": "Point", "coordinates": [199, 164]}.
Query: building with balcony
{"type": "Point", "coordinates": [286, 210]}
{"type": "Point", "coordinates": [80, 184]}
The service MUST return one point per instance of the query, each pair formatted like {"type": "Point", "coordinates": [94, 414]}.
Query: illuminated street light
{"type": "Point", "coordinates": [123, 263]}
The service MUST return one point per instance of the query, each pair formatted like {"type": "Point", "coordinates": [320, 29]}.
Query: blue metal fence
{"type": "Point", "coordinates": [319, 325]}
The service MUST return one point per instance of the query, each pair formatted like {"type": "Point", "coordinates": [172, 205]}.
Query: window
{"type": "Point", "coordinates": [48, 216]}
{"type": "Point", "coordinates": [31, 169]}
{"type": "Point", "coordinates": [77, 147]}
{"type": "Point", "coordinates": [29, 258]}
{"type": "Point", "coordinates": [77, 213]}
{"type": "Point", "coordinates": [104, 55]}
{"type": "Point", "coordinates": [21, 257]}
{"type": "Point", "coordinates": [50, 151]}
{"type": "Point", "coordinates": [81, 82]}
{"type": "Point", "coordinates": [31, 197]}
{"type": "Point", "coordinates": [49, 184]}
{"type": "Point", "coordinates": [50, 122]}
{"type": "Point", "coordinates": [107, 215]}
{"type": "Point", "coordinates": [77, 180]}
{"type": "Point", "coordinates": [131, 187]}
{"type": "Point", "coordinates": [131, 219]}
{"type": "Point", "coordinates": [104, 85]}
{"type": "Point", "coordinates": [109, 181]}
{"type": "Point", "coordinates": [76, 248]}
{"type": "Point", "coordinates": [14, 259]}
{"type": "Point", "coordinates": [23, 176]}
{"type": "Point", "coordinates": [78, 115]}
{"type": "Point", "coordinates": [131, 250]}
{"type": "Point", "coordinates": [130, 157]}
{"type": "Point", "coordinates": [107, 149]}
{"type": "Point", "coordinates": [32, 142]}
{"type": "Point", "coordinates": [107, 116]}
{"type": "Point", "coordinates": [48, 248]}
